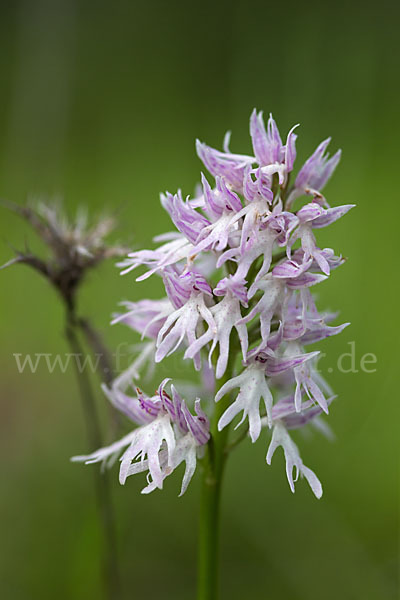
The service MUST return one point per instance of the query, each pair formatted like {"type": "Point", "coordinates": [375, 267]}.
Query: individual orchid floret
{"type": "Point", "coordinates": [169, 435]}
{"type": "Point", "coordinates": [226, 315]}
{"type": "Point", "coordinates": [186, 450]}
{"type": "Point", "coordinates": [317, 332]}
{"type": "Point", "coordinates": [170, 253]}
{"type": "Point", "coordinates": [146, 441]}
{"type": "Point", "coordinates": [146, 316]}
{"type": "Point", "coordinates": [275, 365]}
{"type": "Point", "coordinates": [302, 322]}
{"type": "Point", "coordinates": [225, 164]}
{"type": "Point", "coordinates": [330, 215]}
{"type": "Point", "coordinates": [277, 293]}
{"type": "Point", "coordinates": [140, 409]}
{"type": "Point", "coordinates": [235, 285]}
{"type": "Point", "coordinates": [219, 200]}
{"type": "Point", "coordinates": [304, 281]}
{"type": "Point", "coordinates": [198, 425]}
{"type": "Point", "coordinates": [267, 146]}
{"type": "Point", "coordinates": [328, 254]}
{"type": "Point", "coordinates": [305, 380]}
{"type": "Point", "coordinates": [315, 173]}
{"type": "Point", "coordinates": [280, 437]}
{"type": "Point", "coordinates": [284, 408]}
{"type": "Point", "coordinates": [271, 154]}
{"type": "Point", "coordinates": [259, 198]}
{"type": "Point", "coordinates": [253, 388]}
{"type": "Point", "coordinates": [292, 268]}
{"type": "Point", "coordinates": [191, 433]}
{"type": "Point", "coordinates": [257, 186]}
{"type": "Point", "coordinates": [180, 285]}
{"type": "Point", "coordinates": [215, 236]}
{"type": "Point", "coordinates": [298, 298]}
{"type": "Point", "coordinates": [285, 411]}
{"type": "Point", "coordinates": [308, 215]}
{"type": "Point", "coordinates": [271, 303]}
{"type": "Point", "coordinates": [185, 218]}
{"type": "Point", "coordinates": [183, 323]}
{"type": "Point", "coordinates": [274, 229]}
{"type": "Point", "coordinates": [252, 215]}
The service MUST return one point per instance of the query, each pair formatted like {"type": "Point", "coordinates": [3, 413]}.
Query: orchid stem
{"type": "Point", "coordinates": [213, 469]}
{"type": "Point", "coordinates": [209, 534]}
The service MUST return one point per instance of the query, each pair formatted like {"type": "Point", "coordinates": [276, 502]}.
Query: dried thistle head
{"type": "Point", "coordinates": [76, 245]}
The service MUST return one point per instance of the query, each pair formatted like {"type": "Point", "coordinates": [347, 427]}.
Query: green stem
{"type": "Point", "coordinates": [105, 368]}
{"type": "Point", "coordinates": [101, 481]}
{"type": "Point", "coordinates": [213, 468]}
{"type": "Point", "coordinates": [208, 536]}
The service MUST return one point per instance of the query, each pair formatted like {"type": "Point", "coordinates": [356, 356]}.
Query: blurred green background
{"type": "Point", "coordinates": [101, 103]}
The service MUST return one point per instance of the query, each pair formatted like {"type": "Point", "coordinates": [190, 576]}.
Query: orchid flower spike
{"type": "Point", "coordinates": [238, 273]}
